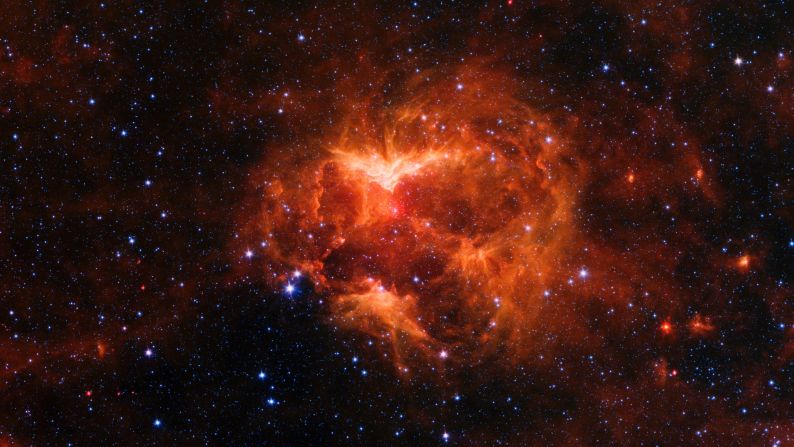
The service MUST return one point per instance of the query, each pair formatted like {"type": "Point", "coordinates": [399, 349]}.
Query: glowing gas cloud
{"type": "Point", "coordinates": [436, 223]}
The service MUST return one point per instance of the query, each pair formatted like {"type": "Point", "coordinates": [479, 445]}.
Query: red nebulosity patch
{"type": "Point", "coordinates": [418, 217]}
{"type": "Point", "coordinates": [23, 71]}
{"type": "Point", "coordinates": [700, 326]}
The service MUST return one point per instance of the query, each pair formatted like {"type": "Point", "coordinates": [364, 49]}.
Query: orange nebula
{"type": "Point", "coordinates": [699, 174]}
{"type": "Point", "coordinates": [700, 326]}
{"type": "Point", "coordinates": [435, 224]}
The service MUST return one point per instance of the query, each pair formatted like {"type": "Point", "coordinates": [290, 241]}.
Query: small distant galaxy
{"type": "Point", "coordinates": [508, 223]}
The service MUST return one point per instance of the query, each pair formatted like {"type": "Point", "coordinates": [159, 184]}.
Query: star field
{"type": "Point", "coordinates": [496, 223]}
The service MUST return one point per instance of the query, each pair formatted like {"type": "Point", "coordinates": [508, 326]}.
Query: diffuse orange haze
{"type": "Point", "coordinates": [436, 223]}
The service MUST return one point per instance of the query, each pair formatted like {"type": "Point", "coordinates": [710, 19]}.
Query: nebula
{"type": "Point", "coordinates": [436, 222]}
